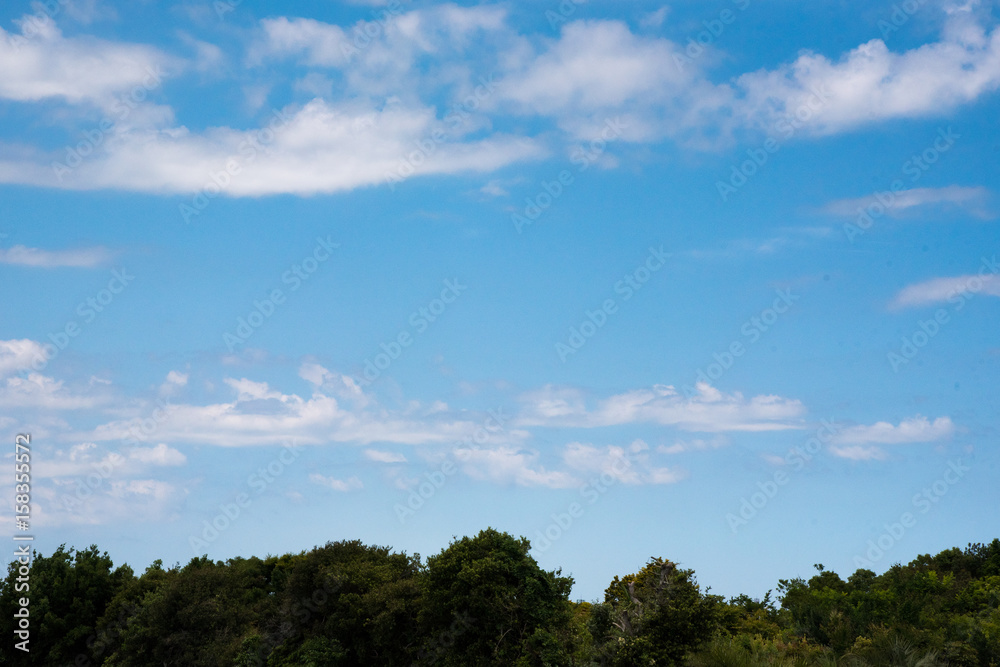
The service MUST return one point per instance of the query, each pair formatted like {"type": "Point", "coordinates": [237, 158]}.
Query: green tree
{"type": "Point", "coordinates": [195, 616]}
{"type": "Point", "coordinates": [487, 602]}
{"type": "Point", "coordinates": [654, 617]}
{"type": "Point", "coordinates": [345, 604]}
{"type": "Point", "coordinates": [69, 593]}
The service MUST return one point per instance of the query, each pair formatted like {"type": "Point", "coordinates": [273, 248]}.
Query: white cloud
{"type": "Point", "coordinates": [88, 11]}
{"type": "Point", "coordinates": [395, 90]}
{"type": "Point", "coordinates": [160, 455]}
{"type": "Point", "coordinates": [384, 457]}
{"type": "Point", "coordinates": [261, 415]}
{"type": "Point", "coordinates": [595, 65]}
{"type": "Point", "coordinates": [914, 429]}
{"type": "Point", "coordinates": [174, 381]}
{"type": "Point", "coordinates": [859, 452]}
{"type": "Point", "coordinates": [707, 411]}
{"type": "Point", "coordinates": [155, 489]}
{"type": "Point", "coordinates": [629, 466]}
{"type": "Point", "coordinates": [207, 57]}
{"type": "Point", "coordinates": [344, 486]}
{"type": "Point", "coordinates": [494, 189]}
{"type": "Point", "coordinates": [969, 199]}
{"type": "Point", "coordinates": [654, 19]}
{"type": "Point", "coordinates": [51, 259]}
{"type": "Point", "coordinates": [341, 386]}
{"type": "Point", "coordinates": [115, 502]}
{"type": "Point", "coordinates": [177, 378]}
{"type": "Point", "coordinates": [510, 465]}
{"type": "Point", "coordinates": [316, 42]}
{"type": "Point", "coordinates": [41, 63]}
{"type": "Point", "coordinates": [17, 355]}
{"type": "Point", "coordinates": [860, 443]}
{"type": "Point", "coordinates": [599, 70]}
{"type": "Point", "coordinates": [520, 466]}
{"type": "Point", "coordinates": [397, 55]}
{"type": "Point", "coordinates": [40, 391]}
{"type": "Point", "coordinates": [85, 458]}
{"type": "Point", "coordinates": [943, 289]}
{"type": "Point", "coordinates": [319, 148]}
{"type": "Point", "coordinates": [870, 83]}
{"type": "Point", "coordinates": [695, 445]}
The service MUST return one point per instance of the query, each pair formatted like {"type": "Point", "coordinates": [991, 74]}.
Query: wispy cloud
{"type": "Point", "coordinates": [342, 485]}
{"type": "Point", "coordinates": [695, 445]}
{"type": "Point", "coordinates": [972, 200]}
{"type": "Point", "coordinates": [631, 465]}
{"type": "Point", "coordinates": [84, 458]}
{"type": "Point", "coordinates": [941, 289]}
{"type": "Point", "coordinates": [318, 148]}
{"type": "Point", "coordinates": [707, 411]}
{"type": "Point", "coordinates": [914, 429]}
{"type": "Point", "coordinates": [860, 443]}
{"type": "Point", "coordinates": [510, 465]}
{"type": "Point", "coordinates": [35, 390]}
{"type": "Point", "coordinates": [336, 412]}
{"type": "Point", "coordinates": [83, 258]}
{"type": "Point", "coordinates": [88, 485]}
{"type": "Point", "coordinates": [384, 457]}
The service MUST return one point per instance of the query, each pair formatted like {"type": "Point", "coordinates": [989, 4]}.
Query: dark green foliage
{"type": "Point", "coordinates": [485, 601]}
{"type": "Point", "coordinates": [654, 617]}
{"type": "Point", "coordinates": [69, 594]}
{"type": "Point", "coordinates": [345, 604]}
{"type": "Point", "coordinates": [197, 615]}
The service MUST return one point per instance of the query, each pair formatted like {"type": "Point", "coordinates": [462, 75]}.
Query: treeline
{"type": "Point", "coordinates": [485, 601]}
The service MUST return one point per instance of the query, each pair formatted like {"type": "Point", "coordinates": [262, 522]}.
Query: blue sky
{"type": "Point", "coordinates": [711, 281]}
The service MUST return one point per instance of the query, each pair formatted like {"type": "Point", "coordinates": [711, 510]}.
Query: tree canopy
{"type": "Point", "coordinates": [483, 600]}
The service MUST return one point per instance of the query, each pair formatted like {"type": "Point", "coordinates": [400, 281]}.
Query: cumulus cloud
{"type": "Point", "coordinates": [394, 41]}
{"type": "Point", "coordinates": [599, 68]}
{"type": "Point", "coordinates": [871, 83]}
{"type": "Point", "coordinates": [600, 82]}
{"type": "Point", "coordinates": [40, 63]}
{"type": "Point", "coordinates": [374, 104]}
{"type": "Point", "coordinates": [18, 355]}
{"type": "Point", "coordinates": [173, 382]}
{"type": "Point", "coordinates": [317, 43]}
